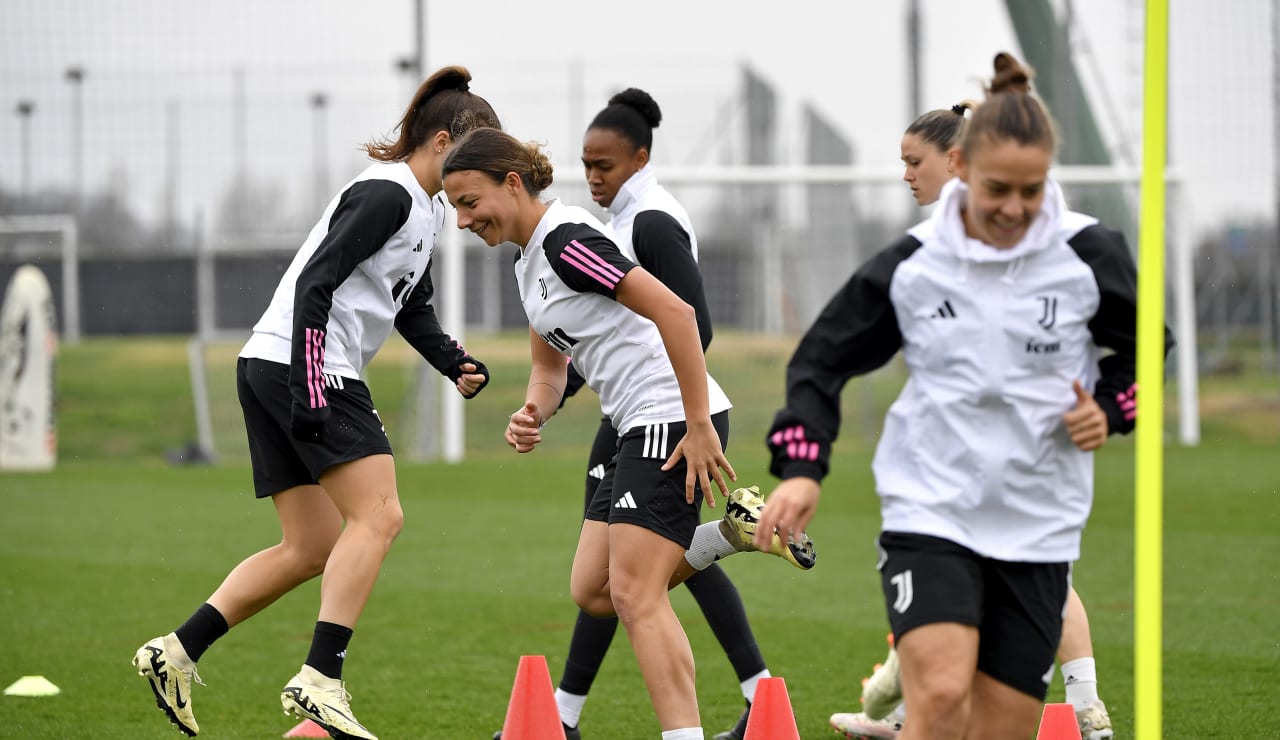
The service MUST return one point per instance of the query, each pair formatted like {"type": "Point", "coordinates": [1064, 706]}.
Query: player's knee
{"type": "Point", "coordinates": [941, 696]}
{"type": "Point", "coordinates": [309, 557]}
{"type": "Point", "coordinates": [596, 604]}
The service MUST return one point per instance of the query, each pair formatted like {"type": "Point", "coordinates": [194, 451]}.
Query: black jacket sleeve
{"type": "Point", "coordinates": [417, 323]}
{"type": "Point", "coordinates": [368, 214]}
{"type": "Point", "coordinates": [856, 333]}
{"type": "Point", "coordinates": [1115, 325]}
{"type": "Point", "coordinates": [663, 248]}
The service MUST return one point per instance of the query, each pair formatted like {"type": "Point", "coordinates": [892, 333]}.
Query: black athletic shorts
{"type": "Point", "coordinates": [280, 461]}
{"type": "Point", "coordinates": [635, 489]}
{"type": "Point", "coordinates": [1017, 607]}
{"type": "Point", "coordinates": [603, 449]}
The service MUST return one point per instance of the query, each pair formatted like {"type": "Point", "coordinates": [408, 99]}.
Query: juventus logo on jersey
{"type": "Point", "coordinates": [542, 286]}
{"type": "Point", "coordinates": [1048, 311]}
{"type": "Point", "coordinates": [400, 285]}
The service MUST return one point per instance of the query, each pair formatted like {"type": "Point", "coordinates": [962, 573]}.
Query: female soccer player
{"type": "Point", "coordinates": [637, 345]}
{"type": "Point", "coordinates": [930, 152]}
{"type": "Point", "coordinates": [931, 149]}
{"type": "Point", "coordinates": [653, 230]}
{"type": "Point", "coordinates": [1002, 303]}
{"type": "Point", "coordinates": [318, 448]}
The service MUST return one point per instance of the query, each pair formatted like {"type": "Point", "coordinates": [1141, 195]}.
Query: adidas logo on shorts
{"type": "Point", "coordinates": [625, 502]}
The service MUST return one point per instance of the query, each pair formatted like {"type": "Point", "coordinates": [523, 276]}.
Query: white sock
{"type": "Point", "coordinates": [570, 706]}
{"type": "Point", "coordinates": [1080, 678]}
{"type": "Point", "coordinates": [749, 686]}
{"type": "Point", "coordinates": [708, 546]}
{"type": "Point", "coordinates": [684, 733]}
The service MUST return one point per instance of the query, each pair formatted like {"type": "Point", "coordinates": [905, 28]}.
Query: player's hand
{"type": "Point", "coordinates": [787, 510]}
{"type": "Point", "coordinates": [473, 378]}
{"type": "Point", "coordinates": [522, 430]}
{"type": "Point", "coordinates": [1087, 422]}
{"type": "Point", "coordinates": [701, 451]}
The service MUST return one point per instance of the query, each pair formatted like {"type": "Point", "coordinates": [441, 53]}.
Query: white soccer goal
{"type": "Point", "coordinates": [29, 238]}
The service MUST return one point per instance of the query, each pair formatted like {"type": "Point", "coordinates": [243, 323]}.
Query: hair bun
{"type": "Point", "coordinates": [641, 102]}
{"type": "Point", "coordinates": [1010, 75]}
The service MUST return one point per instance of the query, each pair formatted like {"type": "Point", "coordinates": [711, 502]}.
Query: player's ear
{"type": "Point", "coordinates": [513, 182]}
{"type": "Point", "coordinates": [441, 142]}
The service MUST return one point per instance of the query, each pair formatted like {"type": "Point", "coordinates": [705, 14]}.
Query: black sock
{"type": "Point", "coordinates": [201, 630]}
{"type": "Point", "coordinates": [329, 648]}
{"type": "Point", "coordinates": [587, 647]}
{"type": "Point", "coordinates": [721, 604]}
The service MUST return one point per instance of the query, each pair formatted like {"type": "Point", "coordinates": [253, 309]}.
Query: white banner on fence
{"type": "Point", "coordinates": [28, 346]}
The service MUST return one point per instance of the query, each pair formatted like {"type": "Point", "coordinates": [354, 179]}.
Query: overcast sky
{"type": "Point", "coordinates": [159, 81]}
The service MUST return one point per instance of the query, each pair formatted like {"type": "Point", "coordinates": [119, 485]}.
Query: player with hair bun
{"type": "Point", "coordinates": [930, 151]}
{"type": "Point", "coordinates": [931, 148]}
{"type": "Point", "coordinates": [1003, 304]}
{"type": "Point", "coordinates": [638, 346]}
{"type": "Point", "coordinates": [317, 446]}
{"type": "Point", "coordinates": [654, 230]}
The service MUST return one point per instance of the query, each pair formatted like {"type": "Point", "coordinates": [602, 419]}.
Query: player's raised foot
{"type": "Point", "coordinates": [739, 729]}
{"type": "Point", "coordinates": [742, 515]}
{"type": "Point", "coordinates": [570, 733]}
{"type": "Point", "coordinates": [325, 701]}
{"type": "Point", "coordinates": [165, 665]}
{"type": "Point", "coordinates": [862, 727]}
{"type": "Point", "coordinates": [1095, 723]}
{"type": "Point", "coordinates": [883, 691]}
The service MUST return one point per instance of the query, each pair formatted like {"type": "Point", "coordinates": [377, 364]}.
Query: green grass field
{"type": "Point", "coordinates": [117, 546]}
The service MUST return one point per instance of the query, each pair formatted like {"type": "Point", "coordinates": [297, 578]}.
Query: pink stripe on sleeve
{"type": "Point", "coordinates": [315, 367]}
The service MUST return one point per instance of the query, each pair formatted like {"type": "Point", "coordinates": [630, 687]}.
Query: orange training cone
{"type": "Point", "coordinates": [771, 715]}
{"type": "Point", "coordinates": [306, 728]}
{"type": "Point", "coordinates": [1058, 723]}
{"type": "Point", "coordinates": [532, 713]}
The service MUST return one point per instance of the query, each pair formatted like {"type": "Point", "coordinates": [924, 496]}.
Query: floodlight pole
{"type": "Point", "coordinates": [319, 102]}
{"type": "Point", "coordinates": [24, 110]}
{"type": "Point", "coordinates": [75, 76]}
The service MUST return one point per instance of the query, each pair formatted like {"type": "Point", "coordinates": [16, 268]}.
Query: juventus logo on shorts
{"type": "Point", "coordinates": [655, 441]}
{"type": "Point", "coordinates": [906, 592]}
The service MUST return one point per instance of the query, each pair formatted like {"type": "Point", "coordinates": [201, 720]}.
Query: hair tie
{"type": "Point", "coordinates": [959, 109]}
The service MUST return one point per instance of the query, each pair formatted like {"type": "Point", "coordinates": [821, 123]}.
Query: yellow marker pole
{"type": "Point", "coordinates": [1148, 475]}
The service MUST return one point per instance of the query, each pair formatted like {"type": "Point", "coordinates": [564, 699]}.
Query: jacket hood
{"type": "Point", "coordinates": [945, 227]}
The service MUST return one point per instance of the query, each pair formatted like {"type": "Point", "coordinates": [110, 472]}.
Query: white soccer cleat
{"type": "Point", "coordinates": [861, 727]}
{"type": "Point", "coordinates": [883, 690]}
{"type": "Point", "coordinates": [164, 663]}
{"type": "Point", "coordinates": [1095, 723]}
{"type": "Point", "coordinates": [742, 516]}
{"type": "Point", "coordinates": [325, 701]}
